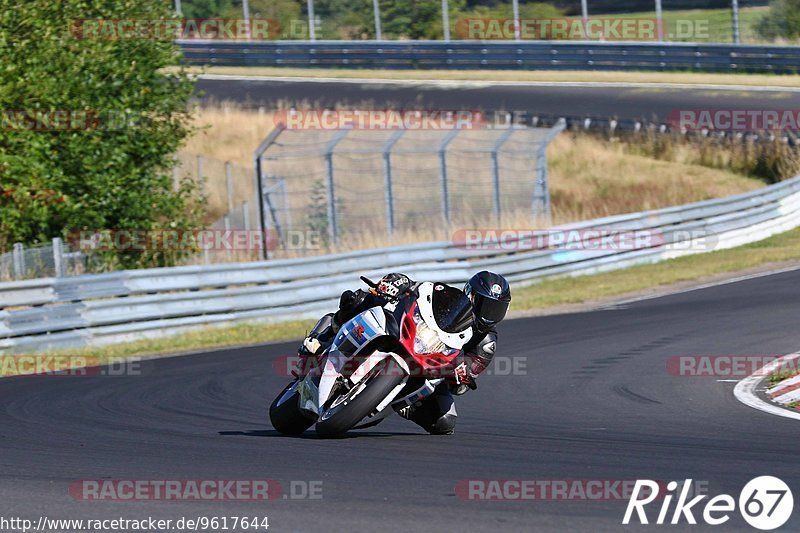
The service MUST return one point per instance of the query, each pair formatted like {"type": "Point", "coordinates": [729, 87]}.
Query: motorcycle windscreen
{"type": "Point", "coordinates": [452, 310]}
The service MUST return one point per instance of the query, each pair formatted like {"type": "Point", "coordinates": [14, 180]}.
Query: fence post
{"type": "Point", "coordinates": [229, 183]}
{"type": "Point", "coordinates": [200, 175]}
{"type": "Point", "coordinates": [246, 15]}
{"type": "Point", "coordinates": [659, 21]}
{"type": "Point", "coordinates": [443, 174]}
{"type": "Point", "coordinates": [496, 169]}
{"type": "Point", "coordinates": [58, 257]}
{"type": "Point", "coordinates": [585, 18]}
{"type": "Point", "coordinates": [246, 215]}
{"type": "Point", "coordinates": [737, 35]}
{"type": "Point", "coordinates": [333, 223]}
{"type": "Point", "coordinates": [259, 187]}
{"type": "Point", "coordinates": [387, 178]}
{"type": "Point", "coordinates": [446, 19]}
{"type": "Point", "coordinates": [18, 256]}
{"type": "Point", "coordinates": [377, 13]}
{"type": "Point", "coordinates": [541, 188]}
{"type": "Point", "coordinates": [312, 32]}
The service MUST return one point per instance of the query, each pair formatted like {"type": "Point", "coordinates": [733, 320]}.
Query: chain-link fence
{"type": "Point", "coordinates": [348, 189]}
{"type": "Point", "coordinates": [42, 260]}
{"type": "Point", "coordinates": [722, 21]}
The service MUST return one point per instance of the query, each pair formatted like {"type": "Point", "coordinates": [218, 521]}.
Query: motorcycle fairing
{"type": "Point", "coordinates": [353, 336]}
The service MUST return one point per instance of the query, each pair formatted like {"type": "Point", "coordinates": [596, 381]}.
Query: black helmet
{"type": "Point", "coordinates": [490, 296]}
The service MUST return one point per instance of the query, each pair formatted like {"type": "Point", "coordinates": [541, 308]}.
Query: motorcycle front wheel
{"type": "Point", "coordinates": [285, 414]}
{"type": "Point", "coordinates": [351, 407]}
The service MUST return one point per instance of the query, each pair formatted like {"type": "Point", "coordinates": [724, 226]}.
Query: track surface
{"type": "Point", "coordinates": [596, 403]}
{"type": "Point", "coordinates": [601, 102]}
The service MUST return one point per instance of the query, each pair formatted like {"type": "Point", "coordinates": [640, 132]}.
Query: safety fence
{"type": "Point", "coordinates": [524, 55]}
{"type": "Point", "coordinates": [59, 313]}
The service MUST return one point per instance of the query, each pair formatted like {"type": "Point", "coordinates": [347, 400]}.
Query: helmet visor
{"type": "Point", "coordinates": [490, 311]}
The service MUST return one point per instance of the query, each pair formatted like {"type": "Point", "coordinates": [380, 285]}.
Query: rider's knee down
{"type": "Point", "coordinates": [445, 425]}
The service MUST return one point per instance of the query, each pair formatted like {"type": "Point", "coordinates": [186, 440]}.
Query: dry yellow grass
{"type": "Point", "coordinates": [590, 178]}
{"type": "Point", "coordinates": [757, 80]}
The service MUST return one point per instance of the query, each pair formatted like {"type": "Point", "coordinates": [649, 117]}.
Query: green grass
{"type": "Point", "coordinates": [710, 25]}
{"type": "Point", "coordinates": [777, 377]}
{"type": "Point", "coordinates": [779, 248]}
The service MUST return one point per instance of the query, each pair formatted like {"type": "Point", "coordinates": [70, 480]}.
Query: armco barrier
{"type": "Point", "coordinates": [98, 309]}
{"type": "Point", "coordinates": [523, 55]}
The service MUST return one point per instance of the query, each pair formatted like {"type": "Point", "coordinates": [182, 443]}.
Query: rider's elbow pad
{"type": "Point", "coordinates": [483, 354]}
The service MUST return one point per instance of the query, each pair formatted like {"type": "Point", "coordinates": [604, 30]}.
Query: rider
{"type": "Point", "coordinates": [490, 296]}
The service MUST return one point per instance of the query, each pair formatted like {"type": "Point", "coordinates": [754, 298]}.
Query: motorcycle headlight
{"type": "Point", "coordinates": [427, 340]}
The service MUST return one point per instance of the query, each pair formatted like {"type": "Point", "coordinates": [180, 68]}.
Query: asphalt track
{"type": "Point", "coordinates": [594, 401]}
{"type": "Point", "coordinates": [632, 103]}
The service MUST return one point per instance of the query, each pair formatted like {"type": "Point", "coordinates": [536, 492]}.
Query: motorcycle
{"type": "Point", "coordinates": [382, 360]}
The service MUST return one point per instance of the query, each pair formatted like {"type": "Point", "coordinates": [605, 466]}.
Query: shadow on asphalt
{"type": "Point", "coordinates": [311, 435]}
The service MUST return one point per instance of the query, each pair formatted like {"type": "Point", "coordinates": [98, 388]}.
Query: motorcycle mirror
{"type": "Point", "coordinates": [369, 282]}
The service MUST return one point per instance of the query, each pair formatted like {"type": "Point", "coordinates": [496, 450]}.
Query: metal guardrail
{"type": "Point", "coordinates": [525, 55]}
{"type": "Point", "coordinates": [58, 313]}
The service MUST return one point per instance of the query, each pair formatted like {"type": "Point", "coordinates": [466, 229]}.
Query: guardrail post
{"type": "Point", "coordinates": [58, 257]}
{"type": "Point", "coordinates": [387, 178]}
{"type": "Point", "coordinates": [333, 224]}
{"type": "Point", "coordinates": [443, 173]}
{"type": "Point", "coordinates": [496, 169]}
{"type": "Point", "coordinates": [229, 184]}
{"type": "Point", "coordinates": [18, 256]}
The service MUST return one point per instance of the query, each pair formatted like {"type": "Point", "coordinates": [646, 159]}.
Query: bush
{"type": "Point", "coordinates": [112, 169]}
{"type": "Point", "coordinates": [781, 21]}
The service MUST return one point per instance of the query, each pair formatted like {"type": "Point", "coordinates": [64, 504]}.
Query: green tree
{"type": "Point", "coordinates": [111, 172]}
{"type": "Point", "coordinates": [782, 20]}
{"type": "Point", "coordinates": [206, 8]}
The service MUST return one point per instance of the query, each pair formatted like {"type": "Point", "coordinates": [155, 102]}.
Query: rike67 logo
{"type": "Point", "coordinates": [765, 503]}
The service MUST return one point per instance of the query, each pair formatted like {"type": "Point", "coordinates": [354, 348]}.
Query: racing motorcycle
{"type": "Point", "coordinates": [382, 360]}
